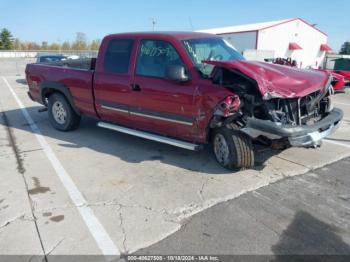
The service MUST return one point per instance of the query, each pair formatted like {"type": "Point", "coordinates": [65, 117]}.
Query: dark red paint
{"type": "Point", "coordinates": [195, 99]}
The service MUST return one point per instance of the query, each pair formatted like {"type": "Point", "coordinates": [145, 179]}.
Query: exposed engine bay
{"type": "Point", "coordinates": [296, 111]}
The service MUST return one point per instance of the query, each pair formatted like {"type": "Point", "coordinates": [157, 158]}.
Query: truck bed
{"type": "Point", "coordinates": [74, 75]}
{"type": "Point", "coordinates": [83, 63]}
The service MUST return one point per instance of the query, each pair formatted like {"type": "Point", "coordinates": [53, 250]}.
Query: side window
{"type": "Point", "coordinates": [154, 56]}
{"type": "Point", "coordinates": [117, 58]}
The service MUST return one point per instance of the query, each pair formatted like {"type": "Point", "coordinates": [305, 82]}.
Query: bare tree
{"type": "Point", "coordinates": [66, 46]}
{"type": "Point", "coordinates": [80, 42]}
{"type": "Point", "coordinates": [17, 45]}
{"type": "Point", "coordinates": [95, 44]}
{"type": "Point", "coordinates": [54, 46]}
{"type": "Point", "coordinates": [44, 45]}
{"type": "Point", "coordinates": [32, 46]}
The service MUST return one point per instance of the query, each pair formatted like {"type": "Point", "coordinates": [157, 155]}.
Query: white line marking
{"type": "Point", "coordinates": [340, 103]}
{"type": "Point", "coordinates": [337, 143]}
{"type": "Point", "coordinates": [96, 229]}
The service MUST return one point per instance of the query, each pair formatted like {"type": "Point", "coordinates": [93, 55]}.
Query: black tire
{"type": "Point", "coordinates": [240, 154]}
{"type": "Point", "coordinates": [71, 120]}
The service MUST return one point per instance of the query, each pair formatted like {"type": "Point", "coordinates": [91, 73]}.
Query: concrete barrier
{"type": "Point", "coordinates": [17, 54]}
{"type": "Point", "coordinates": [33, 54]}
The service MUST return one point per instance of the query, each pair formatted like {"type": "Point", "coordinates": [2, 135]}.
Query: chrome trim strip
{"type": "Point", "coordinates": [153, 137]}
{"type": "Point", "coordinates": [114, 109]}
{"type": "Point", "coordinates": [146, 115]}
{"type": "Point", "coordinates": [161, 118]}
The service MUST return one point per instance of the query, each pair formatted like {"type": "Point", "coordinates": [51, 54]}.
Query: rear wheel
{"type": "Point", "coordinates": [233, 149]}
{"type": "Point", "coordinates": [61, 114]}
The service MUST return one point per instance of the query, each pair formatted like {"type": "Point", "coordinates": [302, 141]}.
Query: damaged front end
{"type": "Point", "coordinates": [305, 110]}
{"type": "Point", "coordinates": [301, 120]}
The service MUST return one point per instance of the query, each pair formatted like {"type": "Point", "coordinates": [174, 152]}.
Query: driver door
{"type": "Point", "coordinates": [160, 105]}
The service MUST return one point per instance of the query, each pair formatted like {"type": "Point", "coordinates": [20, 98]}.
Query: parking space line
{"type": "Point", "coordinates": [337, 143]}
{"type": "Point", "coordinates": [95, 227]}
{"type": "Point", "coordinates": [340, 103]}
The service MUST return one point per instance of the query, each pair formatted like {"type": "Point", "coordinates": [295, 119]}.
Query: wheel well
{"type": "Point", "coordinates": [212, 130]}
{"type": "Point", "coordinates": [210, 134]}
{"type": "Point", "coordinates": [48, 91]}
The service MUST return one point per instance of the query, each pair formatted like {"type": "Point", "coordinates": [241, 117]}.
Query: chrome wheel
{"type": "Point", "coordinates": [59, 112]}
{"type": "Point", "coordinates": [221, 149]}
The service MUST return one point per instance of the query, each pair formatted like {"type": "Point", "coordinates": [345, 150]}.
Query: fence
{"type": "Point", "coordinates": [36, 53]}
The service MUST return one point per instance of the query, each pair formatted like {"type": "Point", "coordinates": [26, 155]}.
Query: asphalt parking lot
{"type": "Point", "coordinates": [95, 191]}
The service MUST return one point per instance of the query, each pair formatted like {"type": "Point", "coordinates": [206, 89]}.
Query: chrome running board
{"type": "Point", "coordinates": [150, 136]}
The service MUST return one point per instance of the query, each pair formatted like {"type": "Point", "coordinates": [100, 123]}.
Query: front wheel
{"type": "Point", "coordinates": [233, 149]}
{"type": "Point", "coordinates": [61, 113]}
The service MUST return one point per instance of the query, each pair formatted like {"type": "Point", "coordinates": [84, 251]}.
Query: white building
{"type": "Point", "coordinates": [290, 38]}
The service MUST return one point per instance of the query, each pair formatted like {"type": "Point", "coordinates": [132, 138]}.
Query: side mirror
{"type": "Point", "coordinates": [176, 73]}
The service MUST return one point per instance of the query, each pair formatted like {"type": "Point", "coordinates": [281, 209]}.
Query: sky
{"type": "Point", "coordinates": [58, 21]}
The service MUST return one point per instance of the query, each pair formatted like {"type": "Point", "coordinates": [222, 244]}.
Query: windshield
{"type": "Point", "coordinates": [210, 49]}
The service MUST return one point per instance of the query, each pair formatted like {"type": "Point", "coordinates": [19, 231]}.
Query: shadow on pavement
{"type": "Point", "coordinates": [128, 148]}
{"type": "Point", "coordinates": [306, 235]}
{"type": "Point", "coordinates": [22, 81]}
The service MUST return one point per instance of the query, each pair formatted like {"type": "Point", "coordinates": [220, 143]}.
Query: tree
{"type": "Point", "coordinates": [44, 45]}
{"type": "Point", "coordinates": [80, 42]}
{"type": "Point", "coordinates": [17, 45]}
{"type": "Point", "coordinates": [54, 46]}
{"type": "Point", "coordinates": [5, 39]}
{"type": "Point", "coordinates": [32, 46]}
{"type": "Point", "coordinates": [65, 46]}
{"type": "Point", "coordinates": [345, 49]}
{"type": "Point", "coordinates": [95, 44]}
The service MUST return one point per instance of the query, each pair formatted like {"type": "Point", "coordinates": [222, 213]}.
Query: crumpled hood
{"type": "Point", "coordinates": [278, 80]}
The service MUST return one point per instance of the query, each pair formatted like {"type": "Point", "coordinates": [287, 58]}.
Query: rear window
{"type": "Point", "coordinates": [51, 58]}
{"type": "Point", "coordinates": [117, 57]}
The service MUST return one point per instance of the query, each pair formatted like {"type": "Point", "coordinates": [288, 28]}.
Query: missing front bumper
{"type": "Point", "coordinates": [299, 136]}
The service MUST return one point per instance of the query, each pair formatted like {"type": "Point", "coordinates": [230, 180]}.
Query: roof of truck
{"type": "Point", "coordinates": [170, 34]}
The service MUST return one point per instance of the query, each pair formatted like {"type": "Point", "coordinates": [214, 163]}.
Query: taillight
{"type": "Point", "coordinates": [228, 106]}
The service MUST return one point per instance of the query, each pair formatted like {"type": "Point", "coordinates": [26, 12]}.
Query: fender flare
{"type": "Point", "coordinates": [46, 87]}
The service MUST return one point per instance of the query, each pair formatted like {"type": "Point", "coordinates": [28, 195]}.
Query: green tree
{"type": "Point", "coordinates": [345, 49]}
{"type": "Point", "coordinates": [5, 39]}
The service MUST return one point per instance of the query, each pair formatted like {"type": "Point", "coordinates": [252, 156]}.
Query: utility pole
{"type": "Point", "coordinates": [154, 22]}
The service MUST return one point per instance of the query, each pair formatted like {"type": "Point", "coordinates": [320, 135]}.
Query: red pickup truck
{"type": "Point", "coordinates": [188, 89]}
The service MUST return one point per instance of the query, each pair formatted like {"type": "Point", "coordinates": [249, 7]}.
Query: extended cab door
{"type": "Point", "coordinates": [158, 104]}
{"type": "Point", "coordinates": [113, 79]}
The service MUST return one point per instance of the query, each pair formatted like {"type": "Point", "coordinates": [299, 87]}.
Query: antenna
{"type": "Point", "coordinates": [154, 22]}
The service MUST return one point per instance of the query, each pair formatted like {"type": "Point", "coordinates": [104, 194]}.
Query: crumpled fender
{"type": "Point", "coordinates": [277, 80]}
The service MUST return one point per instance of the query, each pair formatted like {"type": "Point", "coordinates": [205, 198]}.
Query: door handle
{"type": "Point", "coordinates": [135, 87]}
